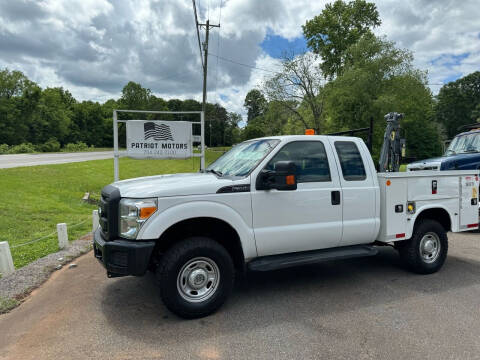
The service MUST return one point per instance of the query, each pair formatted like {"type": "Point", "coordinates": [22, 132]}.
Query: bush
{"type": "Point", "coordinates": [21, 149]}
{"type": "Point", "coordinates": [3, 149]}
{"type": "Point", "coordinates": [52, 145]}
{"type": "Point", "coordinates": [74, 147]}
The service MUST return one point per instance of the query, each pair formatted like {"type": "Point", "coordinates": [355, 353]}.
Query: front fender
{"type": "Point", "coordinates": [162, 220]}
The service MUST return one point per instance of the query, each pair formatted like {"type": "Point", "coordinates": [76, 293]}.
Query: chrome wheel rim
{"type": "Point", "coordinates": [430, 247]}
{"type": "Point", "coordinates": [198, 279]}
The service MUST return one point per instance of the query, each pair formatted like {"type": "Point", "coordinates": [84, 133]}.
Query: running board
{"type": "Point", "coordinates": [274, 262]}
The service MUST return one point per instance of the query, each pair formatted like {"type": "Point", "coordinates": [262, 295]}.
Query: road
{"type": "Point", "coordinates": [354, 309]}
{"type": "Point", "coordinates": [17, 160]}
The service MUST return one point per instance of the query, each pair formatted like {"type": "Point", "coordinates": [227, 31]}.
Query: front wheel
{"type": "Point", "coordinates": [196, 276]}
{"type": "Point", "coordinates": [427, 250]}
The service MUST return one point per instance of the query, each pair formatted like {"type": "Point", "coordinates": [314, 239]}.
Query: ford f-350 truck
{"type": "Point", "coordinates": [272, 203]}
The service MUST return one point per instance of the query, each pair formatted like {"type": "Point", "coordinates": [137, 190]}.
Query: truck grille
{"type": "Point", "coordinates": [108, 210]}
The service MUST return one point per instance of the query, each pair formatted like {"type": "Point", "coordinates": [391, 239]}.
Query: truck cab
{"type": "Point", "coordinates": [272, 203]}
{"type": "Point", "coordinates": [463, 153]}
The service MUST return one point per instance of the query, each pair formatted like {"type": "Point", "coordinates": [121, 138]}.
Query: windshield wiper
{"type": "Point", "coordinates": [451, 151]}
{"type": "Point", "coordinates": [218, 173]}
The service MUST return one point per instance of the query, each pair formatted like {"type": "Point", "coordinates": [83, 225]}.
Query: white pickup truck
{"type": "Point", "coordinates": [272, 203]}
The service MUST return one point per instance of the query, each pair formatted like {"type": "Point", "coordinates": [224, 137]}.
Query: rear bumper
{"type": "Point", "coordinates": [122, 257]}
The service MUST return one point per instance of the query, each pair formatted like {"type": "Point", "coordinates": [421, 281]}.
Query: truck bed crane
{"type": "Point", "coordinates": [391, 151]}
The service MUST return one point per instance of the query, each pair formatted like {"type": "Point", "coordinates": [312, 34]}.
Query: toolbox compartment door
{"type": "Point", "coordinates": [468, 202]}
{"type": "Point", "coordinates": [393, 195]}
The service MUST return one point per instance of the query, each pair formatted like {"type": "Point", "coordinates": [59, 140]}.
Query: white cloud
{"type": "Point", "coordinates": [94, 47]}
{"type": "Point", "coordinates": [433, 30]}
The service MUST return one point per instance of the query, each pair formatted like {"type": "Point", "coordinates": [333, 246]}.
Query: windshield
{"type": "Point", "coordinates": [464, 144]}
{"type": "Point", "coordinates": [242, 158]}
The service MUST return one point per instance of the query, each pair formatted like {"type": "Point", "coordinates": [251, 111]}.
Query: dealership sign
{"type": "Point", "coordinates": [159, 139]}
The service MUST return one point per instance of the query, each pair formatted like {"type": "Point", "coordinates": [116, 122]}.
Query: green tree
{"type": "Point", "coordinates": [253, 130]}
{"type": "Point", "coordinates": [135, 97]}
{"type": "Point", "coordinates": [458, 103]}
{"type": "Point", "coordinates": [298, 89]}
{"type": "Point", "coordinates": [476, 114]}
{"type": "Point", "coordinates": [255, 103]}
{"type": "Point", "coordinates": [88, 124]}
{"type": "Point", "coordinates": [232, 131]}
{"type": "Point", "coordinates": [107, 115]}
{"type": "Point", "coordinates": [339, 26]}
{"type": "Point", "coordinates": [275, 118]}
{"type": "Point", "coordinates": [52, 116]}
{"type": "Point", "coordinates": [18, 101]}
{"type": "Point", "coordinates": [379, 78]}
{"type": "Point", "coordinates": [190, 105]}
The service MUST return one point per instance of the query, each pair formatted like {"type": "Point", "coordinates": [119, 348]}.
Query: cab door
{"type": "Point", "coordinates": [360, 191]}
{"type": "Point", "coordinates": [307, 218]}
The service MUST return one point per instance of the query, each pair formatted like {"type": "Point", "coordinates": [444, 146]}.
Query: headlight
{"type": "Point", "coordinates": [133, 214]}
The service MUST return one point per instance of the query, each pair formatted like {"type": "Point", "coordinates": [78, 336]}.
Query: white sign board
{"type": "Point", "coordinates": [159, 139]}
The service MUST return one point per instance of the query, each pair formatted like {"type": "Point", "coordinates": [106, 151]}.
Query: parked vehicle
{"type": "Point", "coordinates": [463, 153]}
{"type": "Point", "coordinates": [272, 203]}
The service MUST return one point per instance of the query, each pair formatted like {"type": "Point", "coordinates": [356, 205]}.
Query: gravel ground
{"type": "Point", "coordinates": [19, 284]}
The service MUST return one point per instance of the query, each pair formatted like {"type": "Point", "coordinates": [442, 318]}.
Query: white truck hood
{"type": "Point", "coordinates": [171, 185]}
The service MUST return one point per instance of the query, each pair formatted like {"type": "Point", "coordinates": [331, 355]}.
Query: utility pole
{"type": "Point", "coordinates": [205, 70]}
{"type": "Point", "coordinates": [207, 27]}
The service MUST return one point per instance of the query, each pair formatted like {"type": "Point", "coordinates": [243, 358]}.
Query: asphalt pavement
{"type": "Point", "coordinates": [368, 308]}
{"type": "Point", "coordinates": [17, 160]}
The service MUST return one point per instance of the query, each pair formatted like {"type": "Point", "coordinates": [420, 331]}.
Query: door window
{"type": "Point", "coordinates": [309, 157]}
{"type": "Point", "coordinates": [350, 161]}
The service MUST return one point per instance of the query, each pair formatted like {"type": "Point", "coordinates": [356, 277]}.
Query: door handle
{"type": "Point", "coordinates": [335, 197]}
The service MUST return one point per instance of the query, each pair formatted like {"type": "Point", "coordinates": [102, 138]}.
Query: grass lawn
{"type": "Point", "coordinates": [34, 199]}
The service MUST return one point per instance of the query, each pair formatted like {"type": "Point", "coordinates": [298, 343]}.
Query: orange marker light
{"type": "Point", "coordinates": [290, 179]}
{"type": "Point", "coordinates": [389, 183]}
{"type": "Point", "coordinates": [146, 212]}
{"type": "Point", "coordinates": [309, 131]}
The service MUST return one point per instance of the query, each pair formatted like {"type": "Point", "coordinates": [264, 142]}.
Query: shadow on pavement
{"type": "Point", "coordinates": [134, 309]}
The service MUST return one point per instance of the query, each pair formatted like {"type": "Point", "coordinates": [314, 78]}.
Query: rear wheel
{"type": "Point", "coordinates": [427, 250]}
{"type": "Point", "coordinates": [196, 276]}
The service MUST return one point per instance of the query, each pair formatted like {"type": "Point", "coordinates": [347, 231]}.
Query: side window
{"type": "Point", "coordinates": [350, 161]}
{"type": "Point", "coordinates": [309, 157]}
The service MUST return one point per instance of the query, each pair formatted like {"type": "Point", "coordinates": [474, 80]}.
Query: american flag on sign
{"type": "Point", "coordinates": [158, 132]}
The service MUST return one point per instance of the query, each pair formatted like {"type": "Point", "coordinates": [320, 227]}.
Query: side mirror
{"type": "Point", "coordinates": [285, 175]}
{"type": "Point", "coordinates": [283, 178]}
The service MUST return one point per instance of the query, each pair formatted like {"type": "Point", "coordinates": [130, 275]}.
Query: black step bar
{"type": "Point", "coordinates": [274, 262]}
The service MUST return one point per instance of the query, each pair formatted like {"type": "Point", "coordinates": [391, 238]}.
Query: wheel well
{"type": "Point", "coordinates": [214, 228]}
{"type": "Point", "coordinates": [438, 214]}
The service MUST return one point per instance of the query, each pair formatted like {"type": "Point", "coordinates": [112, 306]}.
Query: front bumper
{"type": "Point", "coordinates": [122, 257]}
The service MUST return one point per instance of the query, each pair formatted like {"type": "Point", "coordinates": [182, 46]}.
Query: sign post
{"type": "Point", "coordinates": [158, 139]}
{"type": "Point", "coordinates": [116, 154]}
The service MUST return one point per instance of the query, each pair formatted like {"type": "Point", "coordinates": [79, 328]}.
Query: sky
{"type": "Point", "coordinates": [94, 47]}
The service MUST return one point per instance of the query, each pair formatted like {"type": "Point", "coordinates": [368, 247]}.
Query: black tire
{"type": "Point", "coordinates": [410, 250]}
{"type": "Point", "coordinates": [173, 263]}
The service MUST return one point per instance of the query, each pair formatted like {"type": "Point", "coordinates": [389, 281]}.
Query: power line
{"type": "Point", "coordinates": [242, 64]}
{"type": "Point", "coordinates": [271, 71]}
{"type": "Point", "coordinates": [218, 50]}
{"type": "Point", "coordinates": [198, 32]}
